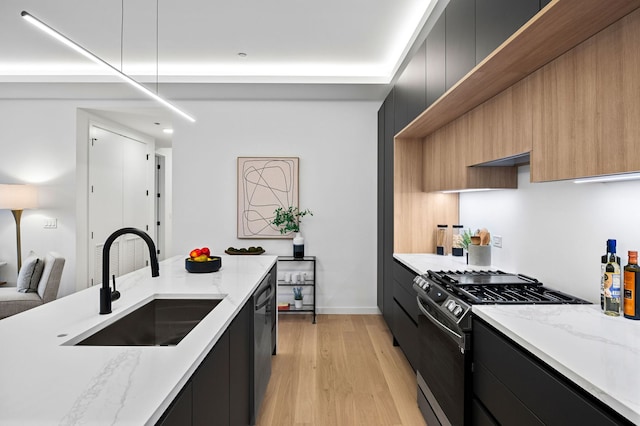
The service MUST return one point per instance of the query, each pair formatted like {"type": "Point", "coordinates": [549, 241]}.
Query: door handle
{"type": "Point", "coordinates": [458, 337]}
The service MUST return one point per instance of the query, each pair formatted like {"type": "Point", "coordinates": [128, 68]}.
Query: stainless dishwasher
{"type": "Point", "coordinates": [263, 308]}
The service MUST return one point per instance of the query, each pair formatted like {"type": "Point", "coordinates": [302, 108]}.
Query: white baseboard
{"type": "Point", "coordinates": [349, 311]}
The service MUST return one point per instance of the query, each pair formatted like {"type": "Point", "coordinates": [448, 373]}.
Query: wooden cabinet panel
{"type": "Point", "coordinates": [586, 123]}
{"type": "Point", "coordinates": [446, 161]}
{"type": "Point", "coordinates": [417, 212]}
{"type": "Point", "coordinates": [460, 39]}
{"type": "Point", "coordinates": [435, 61]}
{"type": "Point", "coordinates": [502, 127]}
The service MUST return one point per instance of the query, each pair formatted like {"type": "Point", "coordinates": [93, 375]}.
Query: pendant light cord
{"type": "Point", "coordinates": [121, 32]}
{"type": "Point", "coordinates": [157, 40]}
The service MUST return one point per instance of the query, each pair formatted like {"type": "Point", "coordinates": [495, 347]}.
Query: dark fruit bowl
{"type": "Point", "coordinates": [212, 265]}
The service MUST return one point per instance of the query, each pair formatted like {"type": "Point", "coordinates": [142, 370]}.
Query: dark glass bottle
{"type": "Point", "coordinates": [612, 283]}
{"type": "Point", "coordinates": [631, 281]}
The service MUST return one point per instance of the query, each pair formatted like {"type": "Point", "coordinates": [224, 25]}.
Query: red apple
{"type": "Point", "coordinates": [195, 253]}
{"type": "Point", "coordinates": [205, 251]}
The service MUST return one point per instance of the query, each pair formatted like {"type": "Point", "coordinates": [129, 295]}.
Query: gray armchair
{"type": "Point", "coordinates": [13, 302]}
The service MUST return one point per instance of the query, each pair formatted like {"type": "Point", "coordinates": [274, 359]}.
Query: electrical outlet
{"type": "Point", "coordinates": [497, 241]}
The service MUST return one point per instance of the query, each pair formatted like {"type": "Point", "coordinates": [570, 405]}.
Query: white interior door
{"type": "Point", "coordinates": [118, 197]}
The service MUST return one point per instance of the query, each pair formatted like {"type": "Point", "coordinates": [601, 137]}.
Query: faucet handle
{"type": "Point", "coordinates": [115, 294]}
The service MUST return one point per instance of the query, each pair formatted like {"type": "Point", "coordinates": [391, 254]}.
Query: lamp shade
{"type": "Point", "coordinates": [18, 197]}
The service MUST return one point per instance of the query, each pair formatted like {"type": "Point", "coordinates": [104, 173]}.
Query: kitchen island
{"type": "Point", "coordinates": [598, 353]}
{"type": "Point", "coordinates": [44, 379]}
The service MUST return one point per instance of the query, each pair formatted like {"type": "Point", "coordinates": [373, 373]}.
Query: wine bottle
{"type": "Point", "coordinates": [603, 264]}
{"type": "Point", "coordinates": [631, 286]}
{"type": "Point", "coordinates": [612, 281]}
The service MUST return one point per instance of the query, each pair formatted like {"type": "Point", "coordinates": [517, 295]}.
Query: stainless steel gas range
{"type": "Point", "coordinates": [445, 299]}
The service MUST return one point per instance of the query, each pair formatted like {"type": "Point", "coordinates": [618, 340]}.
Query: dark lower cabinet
{"type": "Point", "coordinates": [240, 357]}
{"type": "Point", "coordinates": [211, 386]}
{"type": "Point", "coordinates": [405, 314]}
{"type": "Point", "coordinates": [180, 412]}
{"type": "Point", "coordinates": [219, 391]}
{"type": "Point", "coordinates": [512, 386]}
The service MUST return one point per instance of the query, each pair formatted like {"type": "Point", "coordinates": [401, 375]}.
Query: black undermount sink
{"type": "Point", "coordinates": [160, 322]}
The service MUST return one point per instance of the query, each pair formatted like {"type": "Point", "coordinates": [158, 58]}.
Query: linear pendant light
{"type": "Point", "coordinates": [86, 53]}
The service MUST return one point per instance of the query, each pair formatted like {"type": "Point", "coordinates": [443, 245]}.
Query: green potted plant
{"type": "Point", "coordinates": [297, 297]}
{"type": "Point", "coordinates": [288, 220]}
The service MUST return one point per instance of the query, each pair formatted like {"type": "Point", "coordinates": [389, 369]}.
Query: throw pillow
{"type": "Point", "coordinates": [30, 273]}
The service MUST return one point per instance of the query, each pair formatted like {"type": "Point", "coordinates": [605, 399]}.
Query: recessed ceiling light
{"type": "Point", "coordinates": [168, 131]}
{"type": "Point", "coordinates": [242, 54]}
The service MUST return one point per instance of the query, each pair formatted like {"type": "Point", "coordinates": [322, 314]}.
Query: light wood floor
{"type": "Point", "coordinates": [343, 370]}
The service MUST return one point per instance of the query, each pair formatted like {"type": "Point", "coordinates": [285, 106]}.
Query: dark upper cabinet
{"type": "Point", "coordinates": [460, 35]}
{"type": "Point", "coordinates": [410, 91]}
{"type": "Point", "coordinates": [497, 20]}
{"type": "Point", "coordinates": [543, 3]}
{"type": "Point", "coordinates": [435, 61]}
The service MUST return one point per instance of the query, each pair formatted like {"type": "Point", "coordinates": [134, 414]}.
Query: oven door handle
{"type": "Point", "coordinates": [459, 338]}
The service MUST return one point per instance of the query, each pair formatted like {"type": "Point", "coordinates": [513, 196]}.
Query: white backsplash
{"type": "Point", "coordinates": [557, 231]}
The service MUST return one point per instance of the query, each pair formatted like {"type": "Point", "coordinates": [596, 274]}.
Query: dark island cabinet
{"type": "Point", "coordinates": [497, 20]}
{"type": "Point", "coordinates": [219, 391]}
{"type": "Point", "coordinates": [211, 386]}
{"type": "Point", "coordinates": [180, 412]}
{"type": "Point", "coordinates": [512, 386]}
{"type": "Point", "coordinates": [240, 361]}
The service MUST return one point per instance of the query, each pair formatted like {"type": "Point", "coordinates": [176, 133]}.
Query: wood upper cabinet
{"type": "Point", "coordinates": [446, 159]}
{"type": "Point", "coordinates": [502, 127]}
{"type": "Point", "coordinates": [587, 121]}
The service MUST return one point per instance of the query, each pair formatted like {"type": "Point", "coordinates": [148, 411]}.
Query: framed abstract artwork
{"type": "Point", "coordinates": [264, 184]}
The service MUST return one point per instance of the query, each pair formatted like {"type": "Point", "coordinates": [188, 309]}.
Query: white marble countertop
{"type": "Point", "coordinates": [599, 353]}
{"type": "Point", "coordinates": [45, 381]}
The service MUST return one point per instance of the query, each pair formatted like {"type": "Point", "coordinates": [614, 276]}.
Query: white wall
{"type": "Point", "coordinates": [557, 231]}
{"type": "Point", "coordinates": [38, 145]}
{"type": "Point", "coordinates": [336, 143]}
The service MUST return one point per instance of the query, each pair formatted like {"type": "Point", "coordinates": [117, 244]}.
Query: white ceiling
{"type": "Point", "coordinates": [328, 44]}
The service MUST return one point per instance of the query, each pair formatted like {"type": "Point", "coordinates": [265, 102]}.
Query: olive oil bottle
{"type": "Point", "coordinates": [631, 283]}
{"type": "Point", "coordinates": [612, 281]}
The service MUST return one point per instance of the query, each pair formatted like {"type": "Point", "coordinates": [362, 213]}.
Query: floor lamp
{"type": "Point", "coordinates": [17, 198]}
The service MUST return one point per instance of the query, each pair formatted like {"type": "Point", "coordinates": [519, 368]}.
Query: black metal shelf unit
{"type": "Point", "coordinates": [297, 266]}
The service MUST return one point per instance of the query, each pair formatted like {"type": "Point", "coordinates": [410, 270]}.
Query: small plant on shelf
{"type": "Point", "coordinates": [288, 220]}
{"type": "Point", "coordinates": [297, 293]}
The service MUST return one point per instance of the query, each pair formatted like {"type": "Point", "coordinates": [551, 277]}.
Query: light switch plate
{"type": "Point", "coordinates": [50, 223]}
{"type": "Point", "coordinates": [497, 241]}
